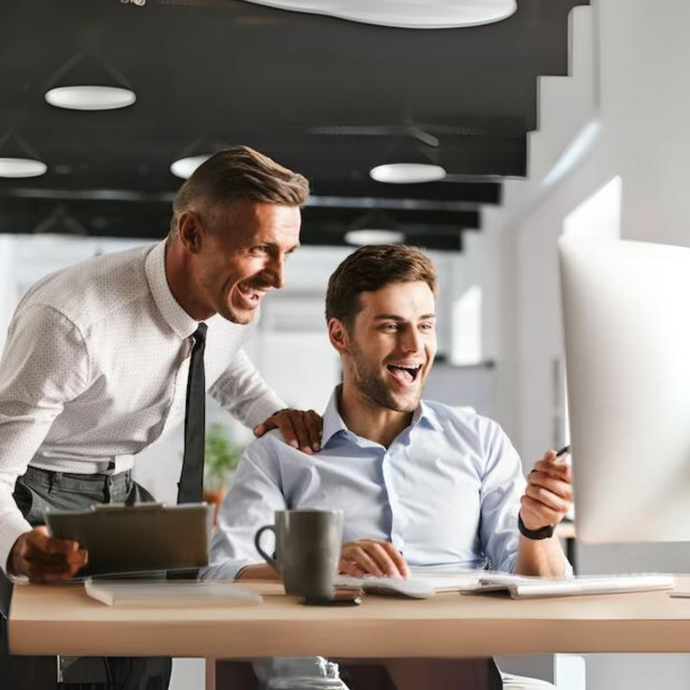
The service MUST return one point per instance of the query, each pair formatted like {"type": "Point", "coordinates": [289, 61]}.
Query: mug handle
{"type": "Point", "coordinates": [269, 559]}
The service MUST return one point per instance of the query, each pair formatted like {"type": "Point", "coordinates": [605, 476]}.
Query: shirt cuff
{"type": "Point", "coordinates": [225, 570]}
{"type": "Point", "coordinates": [13, 527]}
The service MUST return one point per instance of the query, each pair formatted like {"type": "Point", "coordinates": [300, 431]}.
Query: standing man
{"type": "Point", "coordinates": [105, 357]}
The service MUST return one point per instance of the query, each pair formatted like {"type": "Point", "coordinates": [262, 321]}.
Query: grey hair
{"type": "Point", "coordinates": [238, 172]}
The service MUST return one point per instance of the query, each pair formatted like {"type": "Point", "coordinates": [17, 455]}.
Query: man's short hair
{"type": "Point", "coordinates": [239, 172]}
{"type": "Point", "coordinates": [371, 268]}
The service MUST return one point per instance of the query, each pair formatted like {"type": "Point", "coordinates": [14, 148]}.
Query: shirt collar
{"type": "Point", "coordinates": [426, 416]}
{"type": "Point", "coordinates": [182, 324]}
{"type": "Point", "coordinates": [333, 422]}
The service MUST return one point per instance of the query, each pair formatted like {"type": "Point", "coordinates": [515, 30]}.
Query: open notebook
{"type": "Point", "coordinates": [423, 584]}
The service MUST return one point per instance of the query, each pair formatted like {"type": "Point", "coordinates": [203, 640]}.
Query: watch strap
{"type": "Point", "coordinates": [541, 533]}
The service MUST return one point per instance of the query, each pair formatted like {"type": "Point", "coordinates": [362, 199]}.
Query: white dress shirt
{"type": "Point", "coordinates": [95, 370]}
{"type": "Point", "coordinates": [446, 492]}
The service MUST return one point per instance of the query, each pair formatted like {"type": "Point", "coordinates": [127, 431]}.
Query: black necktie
{"type": "Point", "coordinates": [191, 486]}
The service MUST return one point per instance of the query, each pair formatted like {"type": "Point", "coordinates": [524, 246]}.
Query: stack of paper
{"type": "Point", "coordinates": [161, 593]}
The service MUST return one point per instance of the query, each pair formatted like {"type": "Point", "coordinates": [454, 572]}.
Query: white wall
{"type": "Point", "coordinates": [641, 59]}
{"type": "Point", "coordinates": [645, 140]}
{"type": "Point", "coordinates": [641, 71]}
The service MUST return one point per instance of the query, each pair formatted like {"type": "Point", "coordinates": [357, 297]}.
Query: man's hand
{"type": "Point", "coordinates": [549, 493]}
{"type": "Point", "coordinates": [372, 557]}
{"type": "Point", "coordinates": [45, 559]}
{"type": "Point", "coordinates": [300, 429]}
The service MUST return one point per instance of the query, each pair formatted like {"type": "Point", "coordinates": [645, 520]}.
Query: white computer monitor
{"type": "Point", "coordinates": [626, 309]}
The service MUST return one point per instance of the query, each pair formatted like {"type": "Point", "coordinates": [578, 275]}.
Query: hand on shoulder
{"type": "Point", "coordinates": [300, 429]}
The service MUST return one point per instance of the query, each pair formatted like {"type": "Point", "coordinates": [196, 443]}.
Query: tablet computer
{"type": "Point", "coordinates": [140, 538]}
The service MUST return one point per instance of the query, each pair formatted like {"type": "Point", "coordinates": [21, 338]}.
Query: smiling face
{"type": "Point", "coordinates": [241, 257]}
{"type": "Point", "coordinates": [390, 348]}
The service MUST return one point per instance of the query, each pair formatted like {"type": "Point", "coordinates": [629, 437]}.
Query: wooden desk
{"type": "Point", "coordinates": [63, 620]}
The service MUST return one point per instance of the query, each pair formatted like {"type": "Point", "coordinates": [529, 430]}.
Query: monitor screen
{"type": "Point", "coordinates": [626, 310]}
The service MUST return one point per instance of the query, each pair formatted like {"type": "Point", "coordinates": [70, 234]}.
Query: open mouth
{"type": "Point", "coordinates": [250, 294]}
{"type": "Point", "coordinates": [404, 373]}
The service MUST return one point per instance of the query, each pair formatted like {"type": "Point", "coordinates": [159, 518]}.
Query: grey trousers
{"type": "Point", "coordinates": [34, 492]}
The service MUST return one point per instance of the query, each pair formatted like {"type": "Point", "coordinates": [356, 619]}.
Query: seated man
{"type": "Point", "coordinates": [420, 483]}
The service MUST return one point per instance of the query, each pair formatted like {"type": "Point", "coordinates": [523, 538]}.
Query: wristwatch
{"type": "Point", "coordinates": [541, 533]}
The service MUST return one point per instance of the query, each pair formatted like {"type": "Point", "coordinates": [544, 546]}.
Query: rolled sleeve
{"type": "Point", "coordinates": [254, 497]}
{"type": "Point", "coordinates": [45, 364]}
{"type": "Point", "coordinates": [503, 486]}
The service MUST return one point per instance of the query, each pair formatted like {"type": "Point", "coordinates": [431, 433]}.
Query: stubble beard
{"type": "Point", "coordinates": [375, 391]}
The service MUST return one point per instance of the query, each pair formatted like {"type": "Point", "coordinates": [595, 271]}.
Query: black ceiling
{"type": "Point", "coordinates": [225, 71]}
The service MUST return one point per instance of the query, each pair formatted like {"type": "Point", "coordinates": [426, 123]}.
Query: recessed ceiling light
{"type": "Point", "coordinates": [407, 173]}
{"type": "Point", "coordinates": [90, 97]}
{"type": "Point", "coordinates": [185, 167]}
{"type": "Point", "coordinates": [362, 237]}
{"type": "Point", "coordinates": [412, 14]}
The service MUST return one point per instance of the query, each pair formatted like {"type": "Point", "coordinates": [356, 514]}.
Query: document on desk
{"type": "Point", "coordinates": [424, 583]}
{"type": "Point", "coordinates": [140, 538]}
{"type": "Point", "coordinates": [680, 594]}
{"type": "Point", "coordinates": [169, 594]}
{"type": "Point", "coordinates": [540, 588]}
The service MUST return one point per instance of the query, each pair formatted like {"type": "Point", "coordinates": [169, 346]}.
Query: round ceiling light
{"type": "Point", "coordinates": [366, 236]}
{"type": "Point", "coordinates": [412, 14]}
{"type": "Point", "coordinates": [407, 173]}
{"type": "Point", "coordinates": [90, 97]}
{"type": "Point", "coordinates": [21, 167]}
{"type": "Point", "coordinates": [185, 167]}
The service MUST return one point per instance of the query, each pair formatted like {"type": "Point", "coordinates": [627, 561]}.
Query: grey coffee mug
{"type": "Point", "coordinates": [308, 544]}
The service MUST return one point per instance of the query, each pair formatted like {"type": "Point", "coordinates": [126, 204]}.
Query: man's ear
{"type": "Point", "coordinates": [189, 231]}
{"type": "Point", "coordinates": [339, 336]}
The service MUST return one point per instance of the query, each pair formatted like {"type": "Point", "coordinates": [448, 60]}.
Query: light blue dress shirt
{"type": "Point", "coordinates": [445, 493]}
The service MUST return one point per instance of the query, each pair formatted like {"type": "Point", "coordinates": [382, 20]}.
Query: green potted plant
{"type": "Point", "coordinates": [220, 461]}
